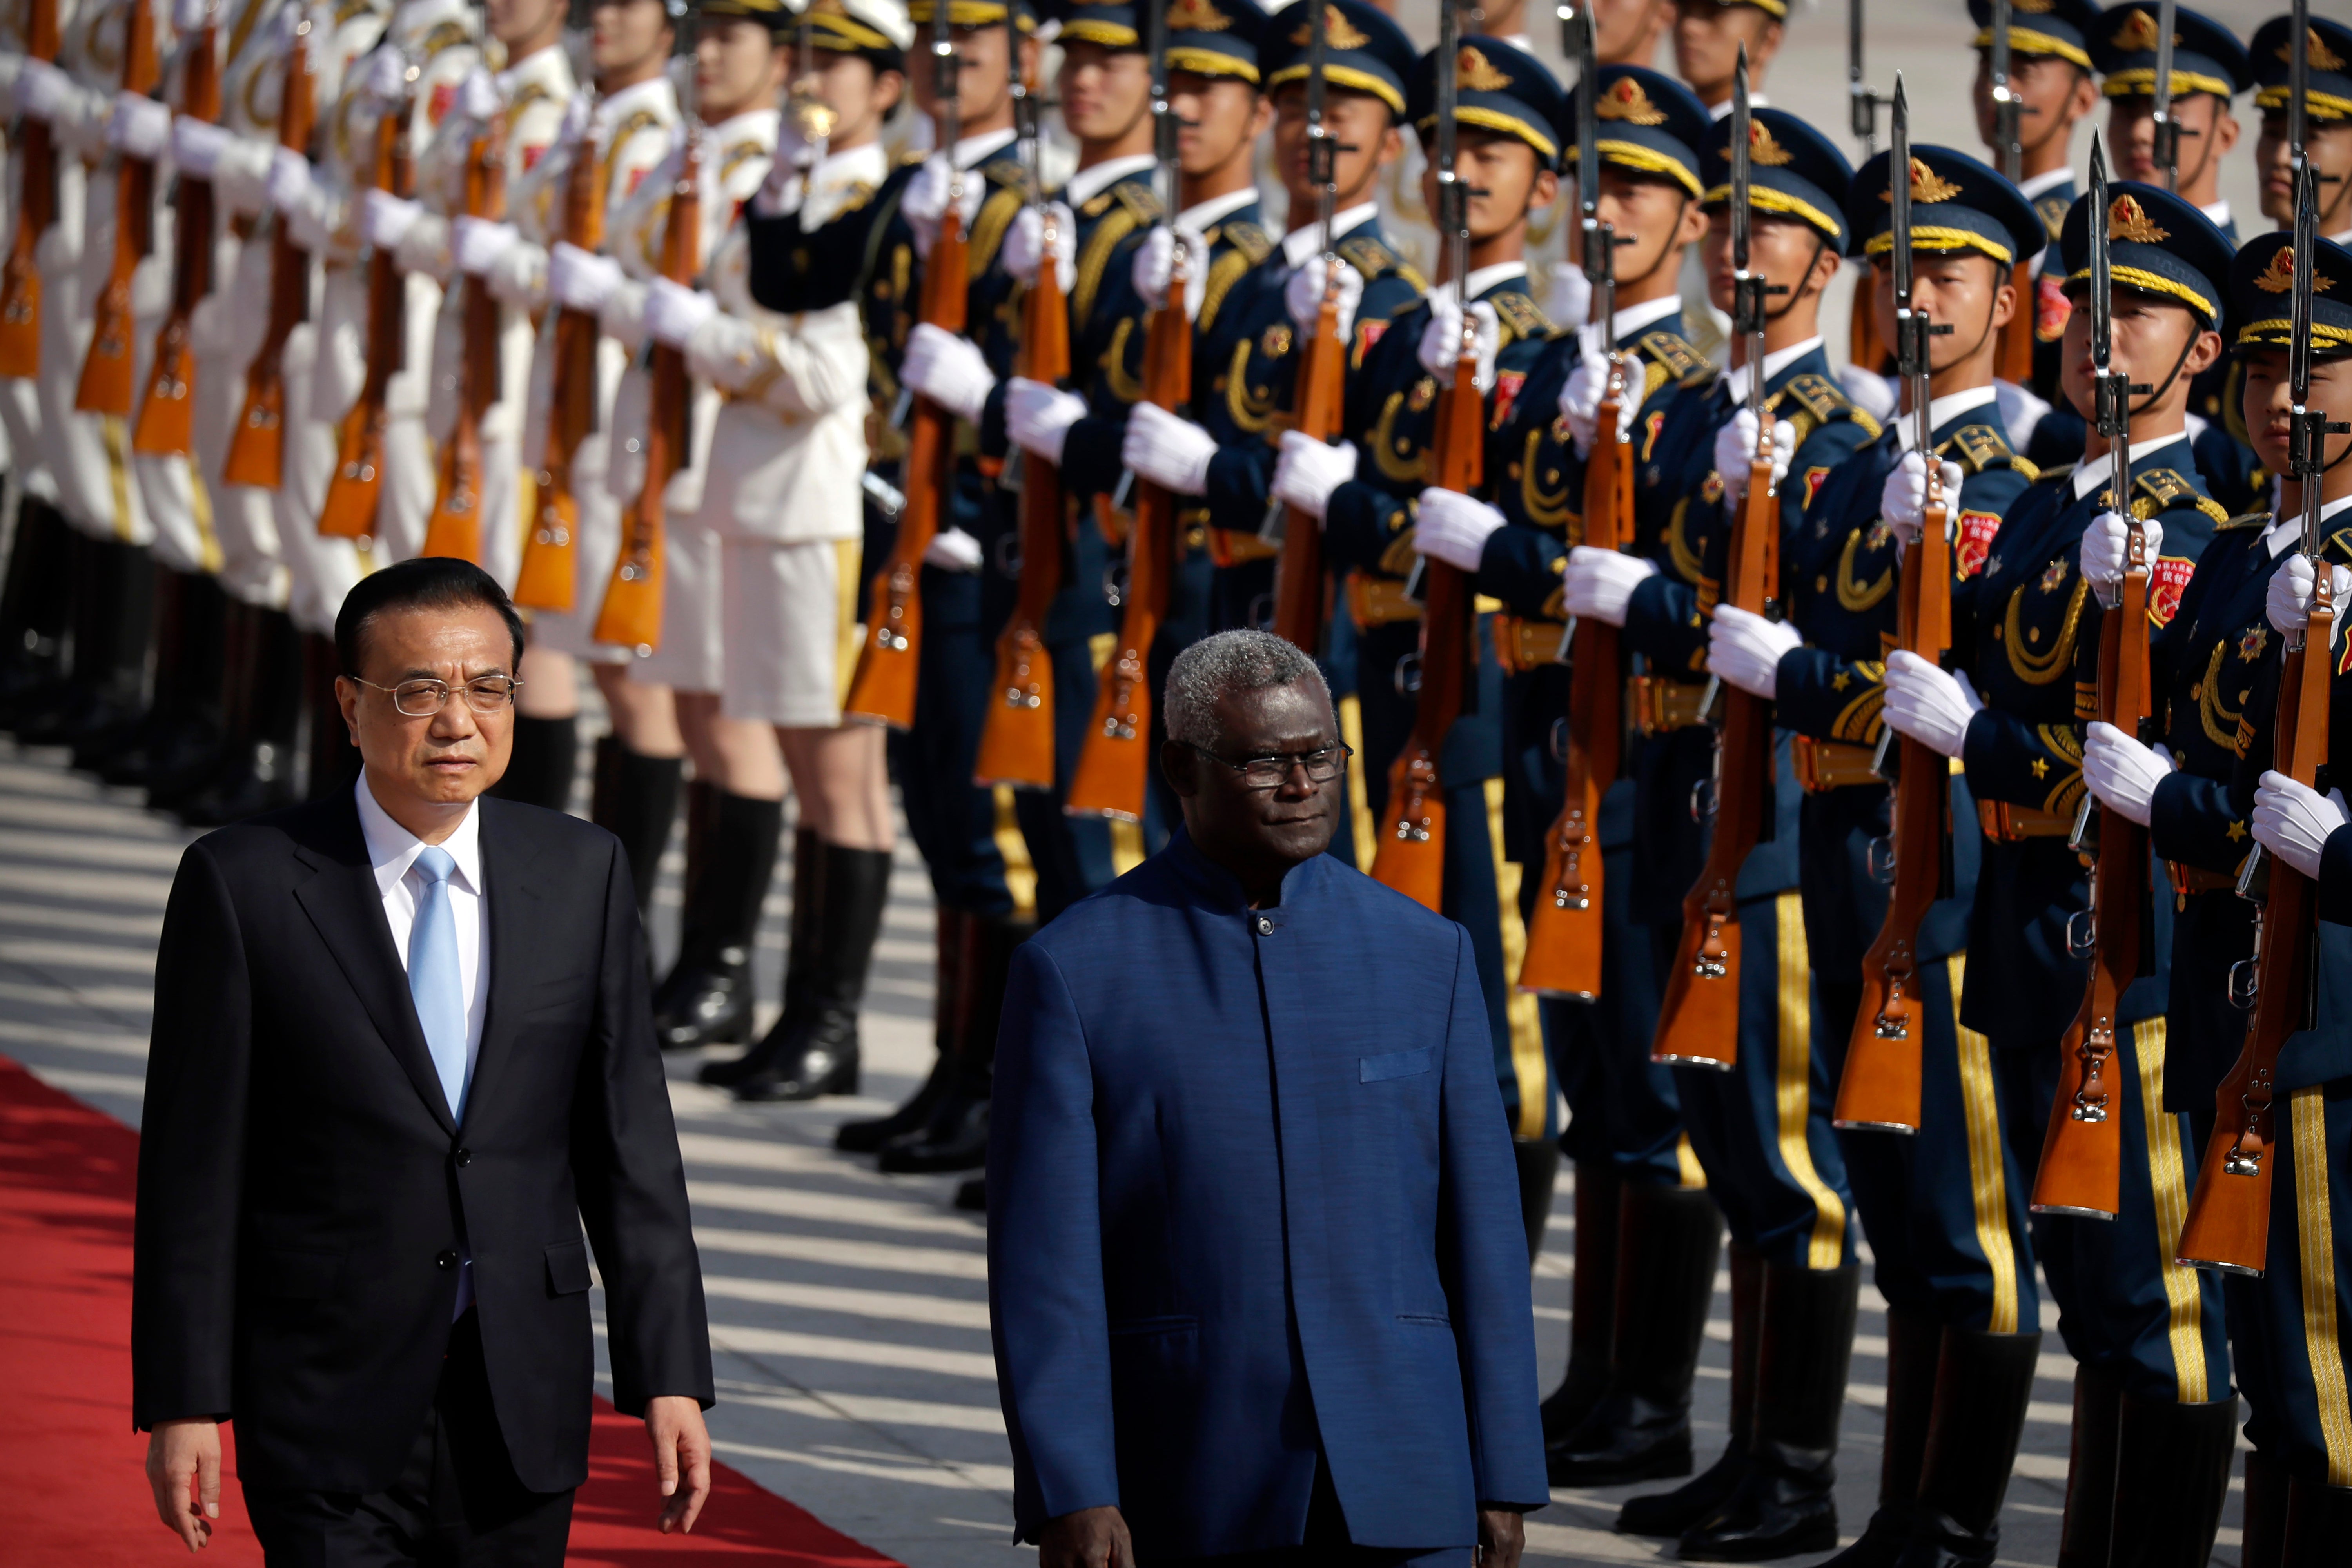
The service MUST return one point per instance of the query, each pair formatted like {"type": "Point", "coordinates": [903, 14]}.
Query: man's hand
{"type": "Point", "coordinates": [1090, 1538]}
{"type": "Point", "coordinates": [681, 1450]}
{"type": "Point", "coordinates": [1502, 1536]}
{"type": "Point", "coordinates": [183, 1469]}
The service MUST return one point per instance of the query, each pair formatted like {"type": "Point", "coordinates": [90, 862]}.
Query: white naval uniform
{"type": "Point", "coordinates": [736, 153]}
{"type": "Point", "coordinates": [786, 471]}
{"type": "Point", "coordinates": [20, 403]}
{"type": "Point", "coordinates": [629, 132]}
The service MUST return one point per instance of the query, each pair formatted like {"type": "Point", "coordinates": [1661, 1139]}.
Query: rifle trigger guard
{"type": "Point", "coordinates": [1407, 675]}
{"type": "Point", "coordinates": [2081, 935]}
{"type": "Point", "coordinates": [1702, 800]}
{"type": "Point", "coordinates": [1878, 860]}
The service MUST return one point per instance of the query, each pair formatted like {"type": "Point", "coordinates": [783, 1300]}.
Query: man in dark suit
{"type": "Point", "coordinates": [402, 1052]}
{"type": "Point", "coordinates": [1256, 1271]}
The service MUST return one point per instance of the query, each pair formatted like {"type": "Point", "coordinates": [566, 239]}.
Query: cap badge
{"type": "Point", "coordinates": [2127, 221]}
{"type": "Point", "coordinates": [2139, 33]}
{"type": "Point", "coordinates": [1472, 70]}
{"type": "Point", "coordinates": [1196, 17]}
{"type": "Point", "coordinates": [1927, 186]}
{"type": "Point", "coordinates": [1763, 148]}
{"type": "Point", "coordinates": [2278, 278]}
{"type": "Point", "coordinates": [1624, 100]}
{"type": "Point", "coordinates": [1337, 31]}
{"type": "Point", "coordinates": [2316, 51]}
{"type": "Point", "coordinates": [2035, 7]}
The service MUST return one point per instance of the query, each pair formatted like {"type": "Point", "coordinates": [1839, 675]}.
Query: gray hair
{"type": "Point", "coordinates": [1230, 662]}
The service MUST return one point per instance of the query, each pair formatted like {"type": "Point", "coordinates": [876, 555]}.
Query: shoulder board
{"type": "Point", "coordinates": [532, 92]}
{"type": "Point", "coordinates": [1368, 257]}
{"type": "Point", "coordinates": [1248, 238]}
{"type": "Point", "coordinates": [445, 36]}
{"type": "Point", "coordinates": [2053, 209]}
{"type": "Point", "coordinates": [2341, 539]}
{"type": "Point", "coordinates": [1521, 315]}
{"type": "Point", "coordinates": [1138, 198]}
{"type": "Point", "coordinates": [2172, 490]}
{"type": "Point", "coordinates": [2249, 520]}
{"type": "Point", "coordinates": [1818, 395]}
{"type": "Point", "coordinates": [738, 154]}
{"type": "Point", "coordinates": [2025, 465]}
{"type": "Point", "coordinates": [349, 11]}
{"type": "Point", "coordinates": [1981, 447]}
{"type": "Point", "coordinates": [854, 195]}
{"type": "Point", "coordinates": [628, 128]}
{"type": "Point", "coordinates": [1684, 362]}
{"type": "Point", "coordinates": [1005, 172]}
{"type": "Point", "coordinates": [2056, 471]}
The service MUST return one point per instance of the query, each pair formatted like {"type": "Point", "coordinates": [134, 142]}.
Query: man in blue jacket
{"type": "Point", "coordinates": [1257, 1272]}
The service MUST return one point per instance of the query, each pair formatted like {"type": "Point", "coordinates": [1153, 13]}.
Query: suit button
{"type": "Point", "coordinates": [1264, 926]}
{"type": "Point", "coordinates": [465, 1157]}
{"type": "Point", "coordinates": [447, 1260]}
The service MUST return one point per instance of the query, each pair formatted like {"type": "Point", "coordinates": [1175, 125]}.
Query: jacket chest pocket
{"type": "Point", "coordinates": [1395, 1065]}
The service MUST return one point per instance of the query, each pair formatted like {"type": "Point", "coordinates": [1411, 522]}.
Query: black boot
{"type": "Point", "coordinates": [112, 622]}
{"type": "Point", "coordinates": [2318, 1525]}
{"type": "Point", "coordinates": [2082, 1536]}
{"type": "Point", "coordinates": [1915, 1346]}
{"type": "Point", "coordinates": [1668, 1239]}
{"type": "Point", "coordinates": [1786, 1502]}
{"type": "Point", "coordinates": [706, 1000]}
{"type": "Point", "coordinates": [638, 808]}
{"type": "Point", "coordinates": [1539, 1163]}
{"type": "Point", "coordinates": [35, 596]}
{"type": "Point", "coordinates": [2172, 1472]}
{"type": "Point", "coordinates": [955, 935]}
{"type": "Point", "coordinates": [955, 1138]}
{"type": "Point", "coordinates": [804, 958]}
{"type": "Point", "coordinates": [1983, 1383]}
{"type": "Point", "coordinates": [1592, 1304]}
{"type": "Point", "coordinates": [259, 775]}
{"type": "Point", "coordinates": [701, 821]}
{"type": "Point", "coordinates": [169, 635]}
{"type": "Point", "coordinates": [546, 758]}
{"type": "Point", "coordinates": [330, 762]}
{"type": "Point", "coordinates": [181, 733]}
{"type": "Point", "coordinates": [1672, 1513]}
{"type": "Point", "coordinates": [819, 1055]}
{"type": "Point", "coordinates": [2265, 1520]}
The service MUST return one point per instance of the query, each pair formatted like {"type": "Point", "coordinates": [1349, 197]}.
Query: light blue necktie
{"type": "Point", "coordinates": [433, 977]}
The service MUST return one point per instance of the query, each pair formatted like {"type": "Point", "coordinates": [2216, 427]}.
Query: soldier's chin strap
{"type": "Point", "coordinates": [2165, 385]}
{"type": "Point", "coordinates": [1819, 245]}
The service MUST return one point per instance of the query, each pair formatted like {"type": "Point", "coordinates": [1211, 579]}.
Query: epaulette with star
{"type": "Point", "coordinates": [1248, 238]}
{"type": "Point", "coordinates": [1981, 449]}
{"type": "Point", "coordinates": [1681, 362]}
{"type": "Point", "coordinates": [2166, 490]}
{"type": "Point", "coordinates": [1821, 401]}
{"type": "Point", "coordinates": [1373, 260]}
{"type": "Point", "coordinates": [1520, 316]}
{"type": "Point", "coordinates": [1005, 172]}
{"type": "Point", "coordinates": [1138, 199]}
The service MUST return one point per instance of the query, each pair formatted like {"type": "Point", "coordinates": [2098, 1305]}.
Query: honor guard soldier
{"type": "Point", "coordinates": [2285, 1320]}
{"type": "Point", "coordinates": [2327, 123]}
{"type": "Point", "coordinates": [1708, 36]}
{"type": "Point", "coordinates": [2140, 1326]}
{"type": "Point", "coordinates": [1949, 1247]}
{"type": "Point", "coordinates": [38, 594]}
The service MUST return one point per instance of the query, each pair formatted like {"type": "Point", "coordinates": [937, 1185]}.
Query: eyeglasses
{"type": "Point", "coordinates": [424, 698]}
{"type": "Point", "coordinates": [1272, 773]}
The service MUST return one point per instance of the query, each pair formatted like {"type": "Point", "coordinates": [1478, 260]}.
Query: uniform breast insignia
{"type": "Point", "coordinates": [1981, 447]}
{"type": "Point", "coordinates": [1520, 316]}
{"type": "Point", "coordinates": [1710, 490]}
{"type": "Point", "coordinates": [2251, 646]}
{"type": "Point", "coordinates": [1275, 343]}
{"type": "Point", "coordinates": [2055, 578]}
{"type": "Point", "coordinates": [1425, 393]}
{"type": "Point", "coordinates": [1974, 546]}
{"type": "Point", "coordinates": [1681, 362]}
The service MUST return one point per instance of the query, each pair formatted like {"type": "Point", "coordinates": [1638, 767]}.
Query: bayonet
{"type": "Point", "coordinates": [2004, 97]}
{"type": "Point", "coordinates": [2166, 128]}
{"type": "Point", "coordinates": [1862, 101]}
{"type": "Point", "coordinates": [2298, 89]}
{"type": "Point", "coordinates": [1747, 289]}
{"type": "Point", "coordinates": [1599, 238]}
{"type": "Point", "coordinates": [1323, 172]}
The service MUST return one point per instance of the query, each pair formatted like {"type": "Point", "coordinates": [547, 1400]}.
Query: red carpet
{"type": "Point", "coordinates": [77, 1493]}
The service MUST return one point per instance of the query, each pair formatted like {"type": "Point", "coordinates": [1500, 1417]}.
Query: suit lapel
{"type": "Point", "coordinates": [342, 903]}
{"type": "Point", "coordinates": [511, 892]}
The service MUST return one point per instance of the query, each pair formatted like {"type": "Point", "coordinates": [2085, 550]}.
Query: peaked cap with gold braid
{"type": "Point", "coordinates": [1497, 87]}
{"type": "Point", "coordinates": [1956, 203]}
{"type": "Point", "coordinates": [2158, 244]}
{"type": "Point", "coordinates": [1649, 124]}
{"type": "Point", "coordinates": [1363, 50]}
{"type": "Point", "coordinates": [1793, 172]}
{"type": "Point", "coordinates": [2062, 30]}
{"type": "Point", "coordinates": [2327, 53]}
{"type": "Point", "coordinates": [2261, 295]}
{"type": "Point", "coordinates": [2206, 56]}
{"type": "Point", "coordinates": [876, 29]}
{"type": "Point", "coordinates": [1216, 37]}
{"type": "Point", "coordinates": [975, 13]}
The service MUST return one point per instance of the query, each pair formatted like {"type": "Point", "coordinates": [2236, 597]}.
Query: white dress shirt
{"type": "Point", "coordinates": [2096, 471]}
{"type": "Point", "coordinates": [1942, 410]}
{"type": "Point", "coordinates": [392, 851]}
{"type": "Point", "coordinates": [1307, 239]}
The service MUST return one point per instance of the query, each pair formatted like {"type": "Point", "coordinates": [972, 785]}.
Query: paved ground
{"type": "Point", "coordinates": [848, 1309]}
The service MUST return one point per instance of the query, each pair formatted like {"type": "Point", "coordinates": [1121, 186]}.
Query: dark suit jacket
{"type": "Point", "coordinates": [1250, 1184]}
{"type": "Point", "coordinates": [302, 1190]}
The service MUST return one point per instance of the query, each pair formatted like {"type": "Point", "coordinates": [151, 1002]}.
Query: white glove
{"type": "Point", "coordinates": [42, 90]}
{"type": "Point", "coordinates": [478, 98]}
{"type": "Point", "coordinates": [139, 127]}
{"type": "Point", "coordinates": [1599, 584]}
{"type": "Point", "coordinates": [2288, 602]}
{"type": "Point", "coordinates": [1037, 417]}
{"type": "Point", "coordinates": [1580, 400]}
{"type": "Point", "coordinates": [795, 153]}
{"type": "Point", "coordinates": [384, 218]}
{"type": "Point", "coordinates": [1570, 300]}
{"type": "Point", "coordinates": [2103, 553]}
{"type": "Point", "coordinates": [953, 550]}
{"type": "Point", "coordinates": [1308, 470]}
{"type": "Point", "coordinates": [477, 243]}
{"type": "Point", "coordinates": [1735, 448]}
{"type": "Point", "coordinates": [1302, 297]}
{"type": "Point", "coordinates": [1904, 502]}
{"type": "Point", "coordinates": [1452, 527]}
{"type": "Point", "coordinates": [673, 311]}
{"type": "Point", "coordinates": [581, 279]}
{"type": "Point", "coordinates": [1171, 453]}
{"type": "Point", "coordinates": [387, 75]}
{"type": "Point", "coordinates": [1155, 259]}
{"type": "Point", "coordinates": [197, 146]}
{"type": "Point", "coordinates": [1930, 706]}
{"type": "Point", "coordinates": [926, 201]}
{"type": "Point", "coordinates": [290, 179]}
{"type": "Point", "coordinates": [2293, 821]}
{"type": "Point", "coordinates": [1025, 242]}
{"type": "Point", "coordinates": [1441, 340]}
{"type": "Point", "coordinates": [2122, 772]}
{"type": "Point", "coordinates": [1744, 650]}
{"type": "Point", "coordinates": [948, 370]}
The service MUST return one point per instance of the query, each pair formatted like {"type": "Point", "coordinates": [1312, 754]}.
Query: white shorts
{"type": "Point", "coordinates": [597, 545]}
{"type": "Point", "coordinates": [792, 640]}
{"type": "Point", "coordinates": [693, 652]}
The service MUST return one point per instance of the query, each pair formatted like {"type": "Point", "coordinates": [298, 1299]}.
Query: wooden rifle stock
{"type": "Point", "coordinates": [358, 482]}
{"type": "Point", "coordinates": [1114, 764]}
{"type": "Point", "coordinates": [166, 424]}
{"type": "Point", "coordinates": [1698, 1021]}
{"type": "Point", "coordinates": [456, 525]}
{"type": "Point", "coordinates": [1865, 348]}
{"type": "Point", "coordinates": [883, 691]}
{"type": "Point", "coordinates": [105, 371]}
{"type": "Point", "coordinates": [2014, 349]}
{"type": "Point", "coordinates": [257, 448]}
{"type": "Point", "coordinates": [1016, 740]}
{"type": "Point", "coordinates": [1410, 857]}
{"type": "Point", "coordinates": [632, 616]}
{"type": "Point", "coordinates": [2230, 1207]}
{"type": "Point", "coordinates": [37, 208]}
{"type": "Point", "coordinates": [2082, 1152]}
{"type": "Point", "coordinates": [548, 579]}
{"type": "Point", "coordinates": [1880, 1086]}
{"type": "Point", "coordinates": [1563, 954]}
{"type": "Point", "coordinates": [1300, 593]}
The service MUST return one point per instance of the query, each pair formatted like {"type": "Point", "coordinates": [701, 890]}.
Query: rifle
{"type": "Point", "coordinates": [1880, 1086]}
{"type": "Point", "coordinates": [2081, 1151]}
{"type": "Point", "coordinates": [1564, 940]}
{"type": "Point", "coordinates": [256, 446]}
{"type": "Point", "coordinates": [1698, 1021]}
{"type": "Point", "coordinates": [1865, 348]}
{"type": "Point", "coordinates": [883, 690]}
{"type": "Point", "coordinates": [456, 525]}
{"type": "Point", "coordinates": [2229, 1210]}
{"type": "Point", "coordinates": [105, 387]}
{"type": "Point", "coordinates": [632, 616]}
{"type": "Point", "coordinates": [548, 579]}
{"type": "Point", "coordinates": [1114, 764]}
{"type": "Point", "coordinates": [2167, 128]}
{"type": "Point", "coordinates": [1319, 391]}
{"type": "Point", "coordinates": [1411, 854]}
{"type": "Point", "coordinates": [1016, 740]}
{"type": "Point", "coordinates": [37, 208]}
{"type": "Point", "coordinates": [2015, 349]}
{"type": "Point", "coordinates": [349, 509]}
{"type": "Point", "coordinates": [167, 411]}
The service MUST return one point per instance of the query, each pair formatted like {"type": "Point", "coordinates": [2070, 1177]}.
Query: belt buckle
{"type": "Point", "coordinates": [1804, 760]}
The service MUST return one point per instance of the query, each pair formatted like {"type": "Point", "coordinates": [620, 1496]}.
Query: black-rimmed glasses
{"type": "Point", "coordinates": [424, 698]}
{"type": "Point", "coordinates": [1271, 773]}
